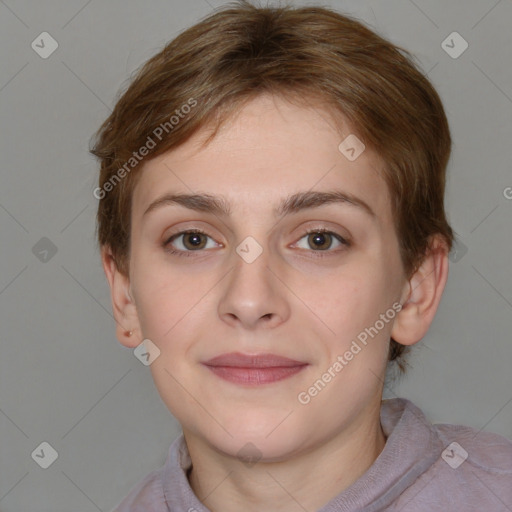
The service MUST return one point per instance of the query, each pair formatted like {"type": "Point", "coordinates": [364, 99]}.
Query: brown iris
{"type": "Point", "coordinates": [194, 241]}
{"type": "Point", "coordinates": [320, 240]}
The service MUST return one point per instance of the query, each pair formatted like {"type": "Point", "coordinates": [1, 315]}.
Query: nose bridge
{"type": "Point", "coordinates": [250, 278]}
{"type": "Point", "coordinates": [252, 293]}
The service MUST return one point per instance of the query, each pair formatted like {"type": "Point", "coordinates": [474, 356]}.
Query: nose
{"type": "Point", "coordinates": [253, 297]}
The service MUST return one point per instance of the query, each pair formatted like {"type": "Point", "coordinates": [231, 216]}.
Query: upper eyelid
{"type": "Point", "coordinates": [172, 237]}
{"type": "Point", "coordinates": [340, 238]}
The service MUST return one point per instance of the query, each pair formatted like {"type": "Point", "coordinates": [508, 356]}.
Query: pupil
{"type": "Point", "coordinates": [194, 239]}
{"type": "Point", "coordinates": [319, 239]}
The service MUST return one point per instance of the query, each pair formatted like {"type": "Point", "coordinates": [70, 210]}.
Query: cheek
{"type": "Point", "coordinates": [162, 301]}
{"type": "Point", "coordinates": [349, 295]}
{"type": "Point", "coordinates": [351, 305]}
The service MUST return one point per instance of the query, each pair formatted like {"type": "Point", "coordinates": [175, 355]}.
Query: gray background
{"type": "Point", "coordinates": [65, 379]}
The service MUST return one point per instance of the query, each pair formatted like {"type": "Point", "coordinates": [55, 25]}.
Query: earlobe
{"type": "Point", "coordinates": [426, 287]}
{"type": "Point", "coordinates": [123, 305]}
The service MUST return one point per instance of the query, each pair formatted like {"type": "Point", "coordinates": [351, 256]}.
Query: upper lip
{"type": "Point", "coordinates": [238, 360]}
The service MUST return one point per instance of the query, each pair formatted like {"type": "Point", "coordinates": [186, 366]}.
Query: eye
{"type": "Point", "coordinates": [321, 240]}
{"type": "Point", "coordinates": [188, 241]}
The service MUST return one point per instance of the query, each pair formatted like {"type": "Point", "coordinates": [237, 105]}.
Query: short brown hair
{"type": "Point", "coordinates": [306, 53]}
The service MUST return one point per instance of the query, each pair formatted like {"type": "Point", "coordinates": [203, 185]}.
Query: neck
{"type": "Point", "coordinates": [224, 483]}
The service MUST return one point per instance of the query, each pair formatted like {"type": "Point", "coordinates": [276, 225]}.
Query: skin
{"type": "Point", "coordinates": [287, 302]}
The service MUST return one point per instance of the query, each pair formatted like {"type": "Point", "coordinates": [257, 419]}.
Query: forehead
{"type": "Point", "coordinates": [269, 150]}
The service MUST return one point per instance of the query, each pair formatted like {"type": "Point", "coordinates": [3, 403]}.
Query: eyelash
{"type": "Point", "coordinates": [187, 254]}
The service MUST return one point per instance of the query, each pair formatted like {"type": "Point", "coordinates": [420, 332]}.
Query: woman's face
{"type": "Point", "coordinates": [254, 282]}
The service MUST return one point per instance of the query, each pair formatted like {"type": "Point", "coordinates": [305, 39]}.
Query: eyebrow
{"type": "Point", "coordinates": [218, 205]}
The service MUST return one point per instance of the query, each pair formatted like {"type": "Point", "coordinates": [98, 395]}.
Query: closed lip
{"type": "Point", "coordinates": [239, 360]}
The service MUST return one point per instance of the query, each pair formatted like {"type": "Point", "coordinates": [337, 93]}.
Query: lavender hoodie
{"type": "Point", "coordinates": [422, 468]}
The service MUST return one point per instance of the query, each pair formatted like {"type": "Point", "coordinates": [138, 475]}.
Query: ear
{"type": "Point", "coordinates": [425, 288]}
{"type": "Point", "coordinates": [123, 305]}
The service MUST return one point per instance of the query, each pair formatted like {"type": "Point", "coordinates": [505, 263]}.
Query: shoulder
{"type": "Point", "coordinates": [469, 469]}
{"type": "Point", "coordinates": [484, 451]}
{"type": "Point", "coordinates": [147, 495]}
{"type": "Point", "coordinates": [165, 488]}
{"type": "Point", "coordinates": [474, 470]}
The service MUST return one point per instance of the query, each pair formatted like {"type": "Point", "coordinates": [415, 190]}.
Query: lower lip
{"type": "Point", "coordinates": [255, 376]}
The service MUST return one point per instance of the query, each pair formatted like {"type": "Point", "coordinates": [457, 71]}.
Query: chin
{"type": "Point", "coordinates": [265, 440]}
